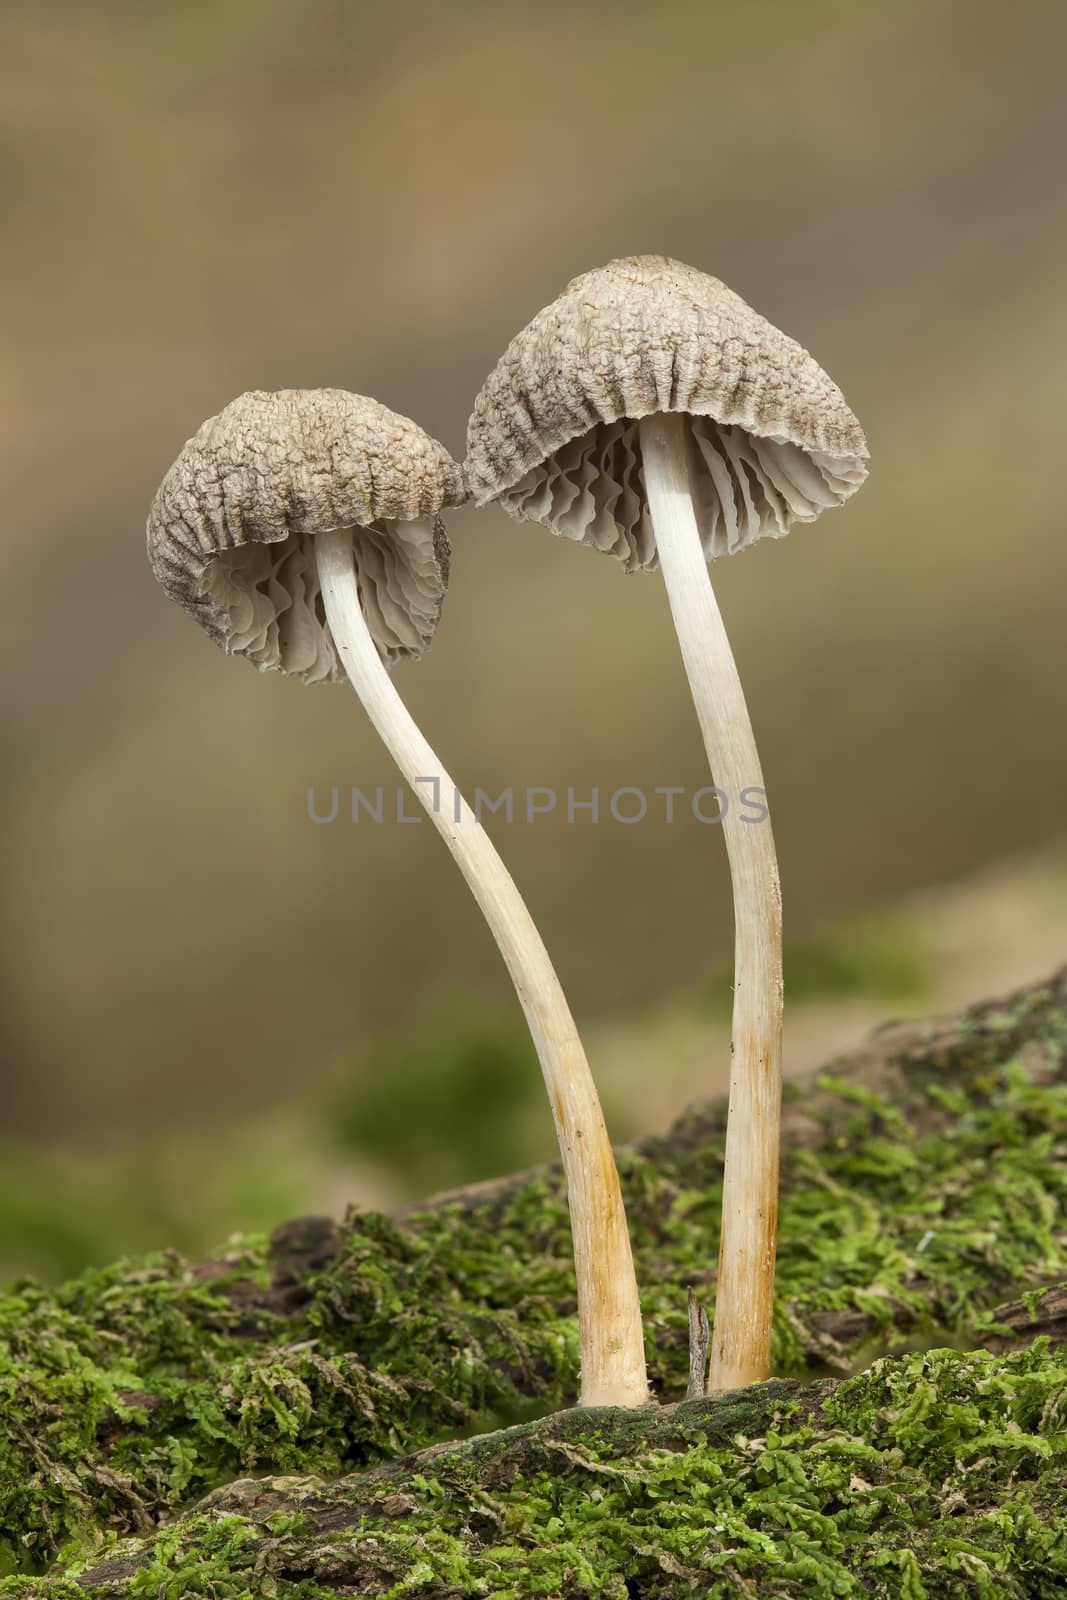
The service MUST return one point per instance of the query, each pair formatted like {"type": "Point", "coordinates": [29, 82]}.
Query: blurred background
{"type": "Point", "coordinates": [214, 1012]}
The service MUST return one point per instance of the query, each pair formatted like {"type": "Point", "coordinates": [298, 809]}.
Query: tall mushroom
{"type": "Point", "coordinates": [302, 531]}
{"type": "Point", "coordinates": [652, 414]}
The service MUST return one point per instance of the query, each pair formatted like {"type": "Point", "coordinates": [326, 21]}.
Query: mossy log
{"type": "Point", "coordinates": [934, 1474]}
{"type": "Point", "coordinates": [924, 1191]}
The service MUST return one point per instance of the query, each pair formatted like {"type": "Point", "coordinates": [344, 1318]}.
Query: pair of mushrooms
{"type": "Point", "coordinates": [649, 412]}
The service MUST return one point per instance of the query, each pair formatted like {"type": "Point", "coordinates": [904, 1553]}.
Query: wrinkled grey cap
{"type": "Point", "coordinates": [232, 527]}
{"type": "Point", "coordinates": [554, 437]}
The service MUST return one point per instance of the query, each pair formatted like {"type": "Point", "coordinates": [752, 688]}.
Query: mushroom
{"type": "Point", "coordinates": [650, 413]}
{"type": "Point", "coordinates": [301, 530]}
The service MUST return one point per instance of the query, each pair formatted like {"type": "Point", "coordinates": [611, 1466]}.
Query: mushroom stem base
{"type": "Point", "coordinates": [740, 1347]}
{"type": "Point", "coordinates": [609, 1312]}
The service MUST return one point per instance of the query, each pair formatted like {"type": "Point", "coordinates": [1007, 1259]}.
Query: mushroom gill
{"type": "Point", "coordinates": [270, 597]}
{"type": "Point", "coordinates": [747, 487]}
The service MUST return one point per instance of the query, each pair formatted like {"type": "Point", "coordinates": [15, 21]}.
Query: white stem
{"type": "Point", "coordinates": [609, 1312]}
{"type": "Point", "coordinates": [744, 1296]}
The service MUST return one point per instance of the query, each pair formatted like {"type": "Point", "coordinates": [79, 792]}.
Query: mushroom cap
{"type": "Point", "coordinates": [231, 529]}
{"type": "Point", "coordinates": [554, 437]}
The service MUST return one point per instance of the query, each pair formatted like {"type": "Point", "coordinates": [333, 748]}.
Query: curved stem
{"type": "Point", "coordinates": [740, 1348]}
{"type": "Point", "coordinates": [609, 1312]}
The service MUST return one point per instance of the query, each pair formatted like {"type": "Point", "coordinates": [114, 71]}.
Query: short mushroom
{"type": "Point", "coordinates": [650, 413]}
{"type": "Point", "coordinates": [301, 529]}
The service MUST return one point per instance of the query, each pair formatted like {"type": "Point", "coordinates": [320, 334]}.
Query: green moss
{"type": "Point", "coordinates": [939, 1474]}
{"type": "Point", "coordinates": [915, 1199]}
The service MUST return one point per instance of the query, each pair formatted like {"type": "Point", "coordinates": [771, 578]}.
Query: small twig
{"type": "Point", "coordinates": [699, 1340]}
